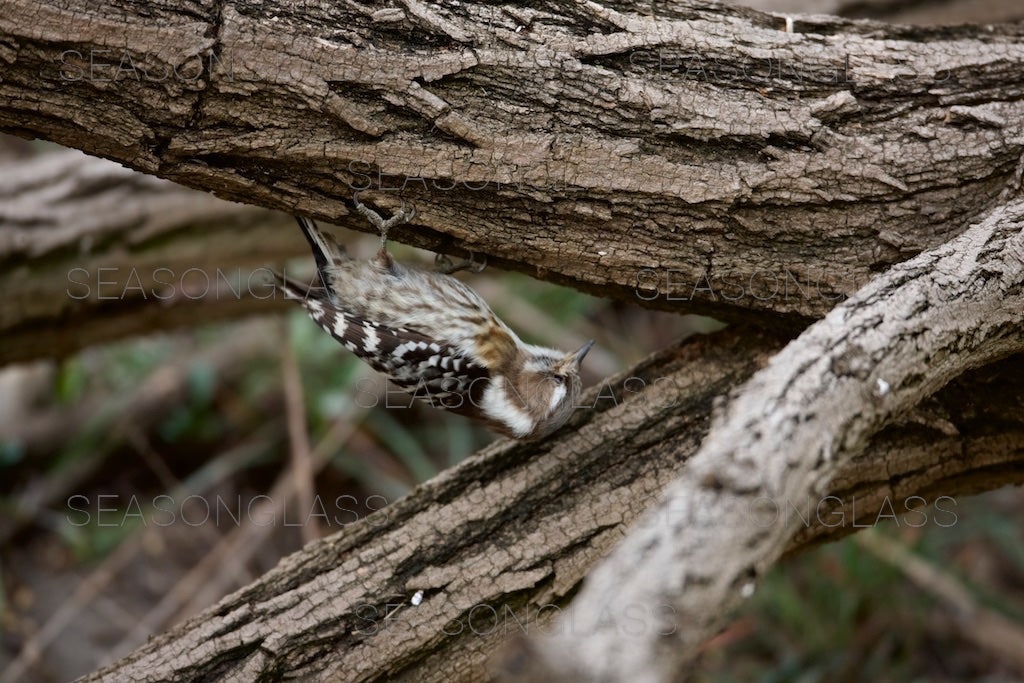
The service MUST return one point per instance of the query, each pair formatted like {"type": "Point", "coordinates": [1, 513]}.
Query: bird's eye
{"type": "Point", "coordinates": [558, 379]}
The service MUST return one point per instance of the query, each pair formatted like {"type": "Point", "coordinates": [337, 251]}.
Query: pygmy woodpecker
{"type": "Point", "coordinates": [436, 338]}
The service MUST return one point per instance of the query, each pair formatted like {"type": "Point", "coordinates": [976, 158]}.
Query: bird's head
{"type": "Point", "coordinates": [548, 387]}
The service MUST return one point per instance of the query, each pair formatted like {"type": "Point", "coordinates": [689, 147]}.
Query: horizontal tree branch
{"type": "Point", "coordinates": [701, 158]}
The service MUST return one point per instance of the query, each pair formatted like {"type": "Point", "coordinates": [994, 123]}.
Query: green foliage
{"type": "Point", "coordinates": [839, 613]}
{"type": "Point", "coordinates": [71, 381]}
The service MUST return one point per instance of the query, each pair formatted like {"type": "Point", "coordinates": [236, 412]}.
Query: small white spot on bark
{"type": "Point", "coordinates": [417, 598]}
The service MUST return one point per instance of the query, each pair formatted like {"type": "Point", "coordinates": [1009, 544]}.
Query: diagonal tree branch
{"type": "Point", "coordinates": [784, 438]}
{"type": "Point", "coordinates": [499, 544]}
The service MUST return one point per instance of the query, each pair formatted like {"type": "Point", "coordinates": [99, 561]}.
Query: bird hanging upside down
{"type": "Point", "coordinates": [436, 338]}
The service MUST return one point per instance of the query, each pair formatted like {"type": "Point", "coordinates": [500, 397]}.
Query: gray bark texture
{"type": "Point", "coordinates": [686, 156]}
{"type": "Point", "coordinates": [500, 544]}
{"type": "Point", "coordinates": [697, 153]}
{"type": "Point", "coordinates": [784, 438]}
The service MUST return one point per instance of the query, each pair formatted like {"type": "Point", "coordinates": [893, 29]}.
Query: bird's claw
{"type": "Point", "coordinates": [444, 264]}
{"type": "Point", "coordinates": [404, 214]}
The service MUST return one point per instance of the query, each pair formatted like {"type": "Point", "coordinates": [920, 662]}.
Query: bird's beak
{"type": "Point", "coordinates": [577, 355]}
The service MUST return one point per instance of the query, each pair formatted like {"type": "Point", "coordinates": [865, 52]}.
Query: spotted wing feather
{"type": "Point", "coordinates": [427, 368]}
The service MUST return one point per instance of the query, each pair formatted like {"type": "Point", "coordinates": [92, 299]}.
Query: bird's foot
{"type": "Point", "coordinates": [444, 264]}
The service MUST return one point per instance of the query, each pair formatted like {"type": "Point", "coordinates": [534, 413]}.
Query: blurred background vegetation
{"type": "Point", "coordinates": [169, 472]}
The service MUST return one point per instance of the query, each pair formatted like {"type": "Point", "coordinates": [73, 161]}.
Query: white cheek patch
{"type": "Point", "coordinates": [556, 397]}
{"type": "Point", "coordinates": [498, 406]}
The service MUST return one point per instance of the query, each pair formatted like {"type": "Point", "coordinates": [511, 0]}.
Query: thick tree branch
{"type": "Point", "coordinates": [702, 154]}
{"type": "Point", "coordinates": [499, 544]}
{"type": "Point", "coordinates": [784, 439]}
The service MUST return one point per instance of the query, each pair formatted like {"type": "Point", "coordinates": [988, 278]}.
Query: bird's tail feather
{"type": "Point", "coordinates": [293, 289]}
{"type": "Point", "coordinates": [326, 252]}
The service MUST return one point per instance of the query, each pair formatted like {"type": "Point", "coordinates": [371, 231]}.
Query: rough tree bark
{"type": "Point", "coordinates": [500, 543]}
{"type": "Point", "coordinates": [702, 152]}
{"type": "Point", "coordinates": [690, 158]}
{"type": "Point", "coordinates": [782, 440]}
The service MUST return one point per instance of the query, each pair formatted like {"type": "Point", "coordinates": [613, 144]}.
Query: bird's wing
{"type": "Point", "coordinates": [429, 369]}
